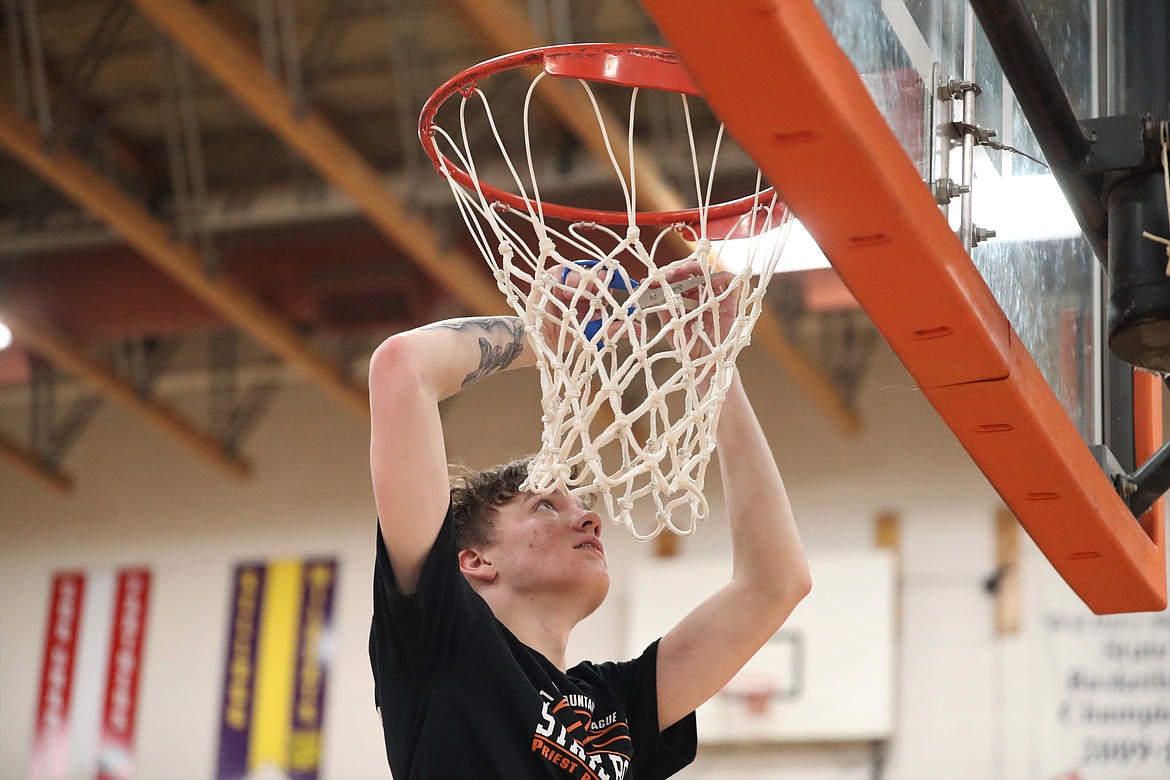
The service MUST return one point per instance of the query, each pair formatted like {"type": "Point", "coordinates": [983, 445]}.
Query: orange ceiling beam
{"type": "Point", "coordinates": [791, 97]}
{"type": "Point", "coordinates": [235, 65]}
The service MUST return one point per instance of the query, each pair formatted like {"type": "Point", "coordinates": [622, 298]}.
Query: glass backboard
{"type": "Point", "coordinates": [1001, 332]}
{"type": "Point", "coordinates": [1040, 268]}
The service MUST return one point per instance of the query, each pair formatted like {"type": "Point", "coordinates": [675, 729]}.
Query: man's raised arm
{"type": "Point", "coordinates": [770, 574]}
{"type": "Point", "coordinates": [409, 374]}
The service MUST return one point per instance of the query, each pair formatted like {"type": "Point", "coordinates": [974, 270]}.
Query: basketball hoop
{"type": "Point", "coordinates": [608, 347]}
{"type": "Point", "coordinates": [752, 695]}
{"type": "Point", "coordinates": [757, 703]}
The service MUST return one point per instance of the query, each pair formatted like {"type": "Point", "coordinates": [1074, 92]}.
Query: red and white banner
{"type": "Point", "coordinates": [90, 670]}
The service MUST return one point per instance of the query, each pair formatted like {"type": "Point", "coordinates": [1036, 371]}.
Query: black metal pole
{"type": "Point", "coordinates": [1142, 33]}
{"type": "Point", "coordinates": [1152, 480]}
{"type": "Point", "coordinates": [1045, 104]}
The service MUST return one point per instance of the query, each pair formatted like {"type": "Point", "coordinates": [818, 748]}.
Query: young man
{"type": "Point", "coordinates": [477, 587]}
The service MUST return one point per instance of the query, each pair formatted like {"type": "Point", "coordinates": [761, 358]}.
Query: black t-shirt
{"type": "Point", "coordinates": [461, 697]}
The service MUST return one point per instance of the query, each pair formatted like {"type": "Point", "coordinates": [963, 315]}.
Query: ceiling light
{"type": "Point", "coordinates": [5, 336]}
{"type": "Point", "coordinates": [1023, 208]}
{"type": "Point", "coordinates": [1017, 208]}
{"type": "Point", "coordinates": [799, 253]}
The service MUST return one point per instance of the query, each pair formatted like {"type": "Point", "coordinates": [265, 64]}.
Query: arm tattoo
{"type": "Point", "coordinates": [493, 358]}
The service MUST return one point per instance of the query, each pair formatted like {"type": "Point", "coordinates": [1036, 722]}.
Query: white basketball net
{"type": "Point", "coordinates": [630, 413]}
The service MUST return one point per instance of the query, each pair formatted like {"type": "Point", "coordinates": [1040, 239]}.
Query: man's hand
{"type": "Point", "coordinates": [700, 334]}
{"type": "Point", "coordinates": [584, 296]}
{"type": "Point", "coordinates": [716, 323]}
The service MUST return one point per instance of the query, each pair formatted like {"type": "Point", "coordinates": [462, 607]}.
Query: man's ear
{"type": "Point", "coordinates": [476, 566]}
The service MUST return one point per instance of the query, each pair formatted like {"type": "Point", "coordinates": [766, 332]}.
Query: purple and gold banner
{"type": "Point", "coordinates": [273, 706]}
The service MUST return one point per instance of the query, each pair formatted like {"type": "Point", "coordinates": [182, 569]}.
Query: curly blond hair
{"type": "Point", "coordinates": [477, 494]}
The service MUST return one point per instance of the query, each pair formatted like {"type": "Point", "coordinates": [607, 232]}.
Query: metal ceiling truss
{"type": "Point", "coordinates": [232, 63]}
{"type": "Point", "coordinates": [141, 361]}
{"type": "Point", "coordinates": [28, 63]}
{"type": "Point", "coordinates": [846, 342]}
{"type": "Point", "coordinates": [44, 339]}
{"type": "Point", "coordinates": [53, 432]}
{"type": "Point", "coordinates": [232, 417]}
{"type": "Point", "coordinates": [281, 47]}
{"type": "Point", "coordinates": [50, 435]}
{"type": "Point", "coordinates": [185, 151]}
{"type": "Point", "coordinates": [58, 413]}
{"type": "Point", "coordinates": [842, 342]}
{"type": "Point", "coordinates": [30, 459]}
{"type": "Point", "coordinates": [402, 21]}
{"type": "Point", "coordinates": [80, 74]}
{"type": "Point", "coordinates": [326, 39]}
{"type": "Point", "coordinates": [291, 204]}
{"type": "Point", "coordinates": [233, 413]}
{"type": "Point", "coordinates": [43, 147]}
{"type": "Point", "coordinates": [55, 96]}
{"type": "Point", "coordinates": [27, 462]}
{"type": "Point", "coordinates": [153, 239]}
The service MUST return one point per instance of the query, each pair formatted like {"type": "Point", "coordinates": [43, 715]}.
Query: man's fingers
{"type": "Point", "coordinates": [685, 271]}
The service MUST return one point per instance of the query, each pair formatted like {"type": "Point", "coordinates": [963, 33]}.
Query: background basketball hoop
{"type": "Point", "coordinates": [757, 702]}
{"type": "Point", "coordinates": [752, 695]}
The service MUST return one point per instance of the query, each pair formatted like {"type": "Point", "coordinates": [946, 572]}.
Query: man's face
{"type": "Point", "coordinates": [550, 541]}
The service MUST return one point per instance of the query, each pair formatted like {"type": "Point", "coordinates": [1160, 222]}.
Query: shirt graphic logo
{"type": "Point", "coordinates": [567, 737]}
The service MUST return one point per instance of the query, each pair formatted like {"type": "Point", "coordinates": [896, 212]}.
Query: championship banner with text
{"type": "Point", "coordinates": [1101, 689]}
{"type": "Point", "coordinates": [94, 640]}
{"type": "Point", "coordinates": [277, 664]}
{"type": "Point", "coordinates": [1105, 694]}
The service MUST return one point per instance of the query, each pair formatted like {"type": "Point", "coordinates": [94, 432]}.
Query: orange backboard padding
{"type": "Point", "coordinates": [791, 98]}
{"type": "Point", "coordinates": [1019, 435]}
